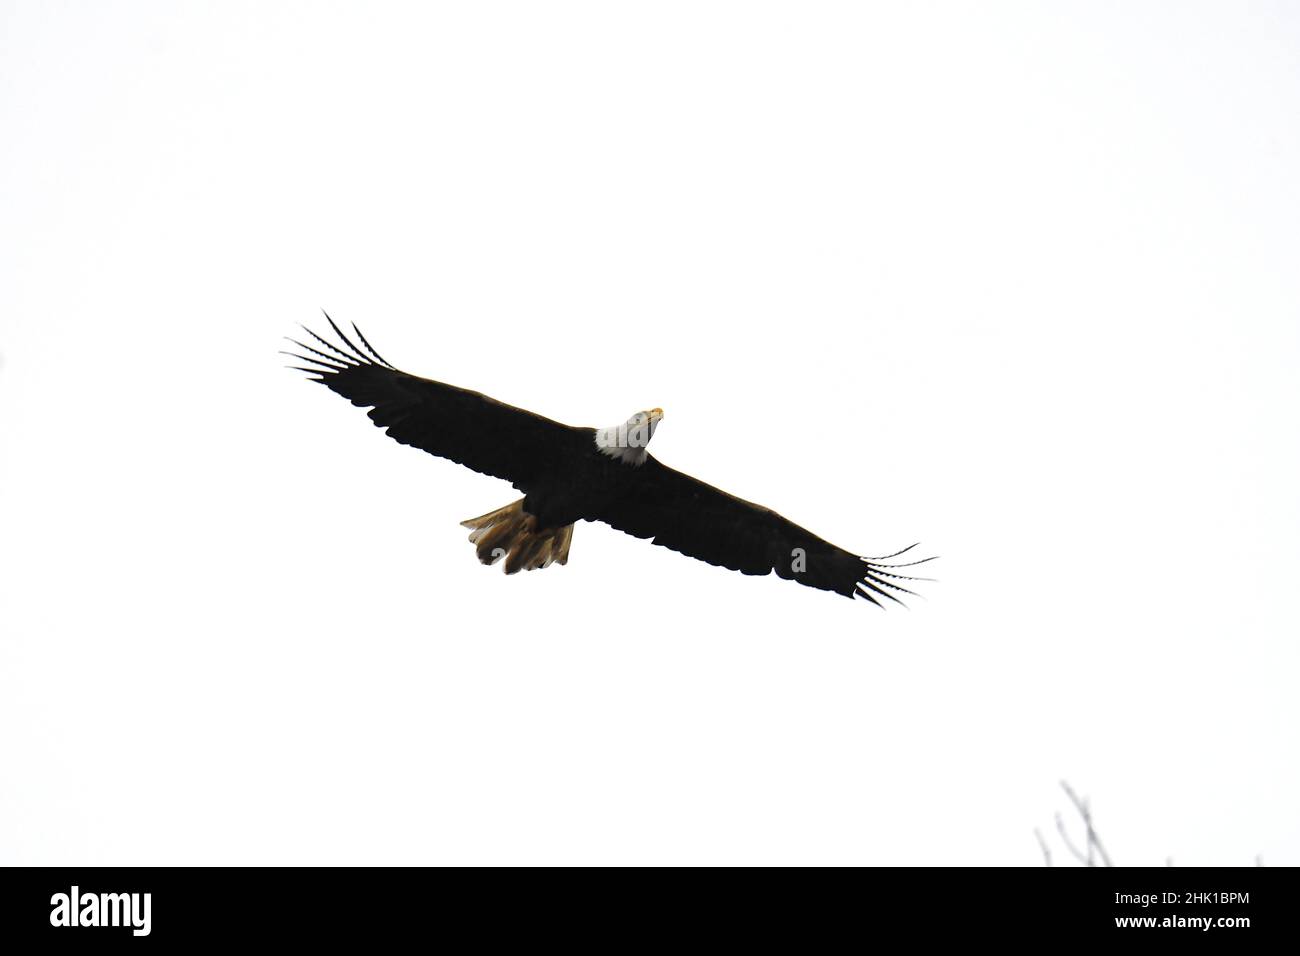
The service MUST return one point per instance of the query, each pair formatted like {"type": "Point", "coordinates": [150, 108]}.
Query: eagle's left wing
{"type": "Point", "coordinates": [467, 427]}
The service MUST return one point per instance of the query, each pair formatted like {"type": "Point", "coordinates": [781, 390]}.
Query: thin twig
{"type": "Point", "coordinates": [1093, 839]}
{"type": "Point", "coordinates": [1047, 853]}
{"type": "Point", "coordinates": [1065, 838]}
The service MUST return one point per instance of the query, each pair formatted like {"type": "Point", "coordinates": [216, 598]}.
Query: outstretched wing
{"type": "Point", "coordinates": [703, 522]}
{"type": "Point", "coordinates": [467, 427]}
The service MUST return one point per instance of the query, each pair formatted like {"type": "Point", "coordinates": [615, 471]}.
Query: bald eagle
{"type": "Point", "coordinates": [568, 474]}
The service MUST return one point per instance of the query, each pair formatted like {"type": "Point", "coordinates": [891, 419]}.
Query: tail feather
{"type": "Point", "coordinates": [512, 533]}
{"type": "Point", "coordinates": [525, 554]}
{"type": "Point", "coordinates": [561, 546]}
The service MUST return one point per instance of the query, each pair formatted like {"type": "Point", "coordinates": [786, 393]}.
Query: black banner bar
{"type": "Point", "coordinates": [1226, 907]}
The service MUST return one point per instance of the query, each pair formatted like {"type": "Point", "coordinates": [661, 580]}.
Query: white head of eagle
{"type": "Point", "coordinates": [627, 442]}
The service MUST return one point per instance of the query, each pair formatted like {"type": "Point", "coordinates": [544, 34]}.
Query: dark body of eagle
{"type": "Point", "coordinates": [569, 474]}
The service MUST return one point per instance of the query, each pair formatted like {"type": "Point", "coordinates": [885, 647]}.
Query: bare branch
{"type": "Point", "coordinates": [1093, 850]}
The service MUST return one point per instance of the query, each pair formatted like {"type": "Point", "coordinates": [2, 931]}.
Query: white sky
{"type": "Point", "coordinates": [1017, 282]}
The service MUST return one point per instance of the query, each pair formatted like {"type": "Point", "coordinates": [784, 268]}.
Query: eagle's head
{"type": "Point", "coordinates": [627, 442]}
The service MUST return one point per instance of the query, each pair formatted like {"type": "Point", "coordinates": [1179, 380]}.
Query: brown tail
{"type": "Point", "coordinates": [512, 533]}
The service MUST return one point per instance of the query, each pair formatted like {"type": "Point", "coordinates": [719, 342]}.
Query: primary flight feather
{"type": "Point", "coordinates": [568, 474]}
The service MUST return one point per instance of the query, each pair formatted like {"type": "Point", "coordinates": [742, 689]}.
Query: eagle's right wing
{"type": "Point", "coordinates": [706, 523]}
